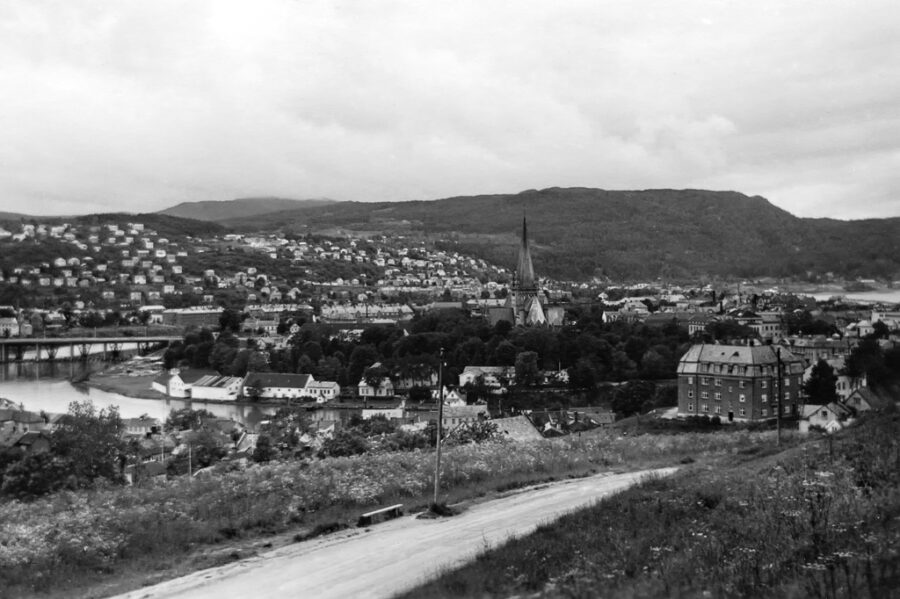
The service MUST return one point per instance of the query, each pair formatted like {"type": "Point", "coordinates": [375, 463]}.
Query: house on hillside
{"type": "Point", "coordinates": [830, 418]}
{"type": "Point", "coordinates": [866, 399]}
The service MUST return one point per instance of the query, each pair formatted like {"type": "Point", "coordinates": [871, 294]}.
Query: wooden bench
{"type": "Point", "coordinates": [385, 513]}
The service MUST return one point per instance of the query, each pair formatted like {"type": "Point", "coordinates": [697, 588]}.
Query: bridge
{"type": "Point", "coordinates": [14, 349]}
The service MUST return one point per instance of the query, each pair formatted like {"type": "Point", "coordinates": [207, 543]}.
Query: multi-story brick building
{"type": "Point", "coordinates": [739, 382]}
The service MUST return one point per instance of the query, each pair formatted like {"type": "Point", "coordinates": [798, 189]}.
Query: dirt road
{"type": "Point", "coordinates": [393, 556]}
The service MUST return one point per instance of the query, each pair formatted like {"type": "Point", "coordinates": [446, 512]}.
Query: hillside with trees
{"type": "Point", "coordinates": [578, 233]}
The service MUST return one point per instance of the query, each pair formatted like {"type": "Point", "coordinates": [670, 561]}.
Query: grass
{"type": "Point", "coordinates": [108, 540]}
{"type": "Point", "coordinates": [816, 519]}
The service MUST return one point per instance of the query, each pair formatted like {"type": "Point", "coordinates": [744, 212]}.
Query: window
{"type": "Point", "coordinates": [765, 412]}
{"type": "Point", "coordinates": [764, 397]}
{"type": "Point", "coordinates": [690, 393]}
{"type": "Point", "coordinates": [718, 396]}
{"type": "Point", "coordinates": [787, 409]}
{"type": "Point", "coordinates": [730, 388]}
{"type": "Point", "coordinates": [787, 381]}
{"type": "Point", "coordinates": [705, 407]}
{"type": "Point", "coordinates": [718, 409]}
{"type": "Point", "coordinates": [743, 412]}
{"type": "Point", "coordinates": [787, 395]}
{"type": "Point", "coordinates": [763, 384]}
{"type": "Point", "coordinates": [742, 397]}
{"type": "Point", "coordinates": [704, 395]}
{"type": "Point", "coordinates": [718, 382]}
{"type": "Point", "coordinates": [690, 407]}
{"type": "Point", "coordinates": [690, 380]}
{"type": "Point", "coordinates": [704, 380]}
{"type": "Point", "coordinates": [740, 384]}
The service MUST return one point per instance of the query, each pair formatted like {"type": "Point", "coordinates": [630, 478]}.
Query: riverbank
{"type": "Point", "coordinates": [132, 378]}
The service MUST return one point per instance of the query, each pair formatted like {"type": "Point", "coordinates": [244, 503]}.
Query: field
{"type": "Point", "coordinates": [821, 519]}
{"type": "Point", "coordinates": [115, 539]}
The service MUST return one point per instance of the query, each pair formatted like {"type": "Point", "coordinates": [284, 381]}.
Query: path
{"type": "Point", "coordinates": [391, 557]}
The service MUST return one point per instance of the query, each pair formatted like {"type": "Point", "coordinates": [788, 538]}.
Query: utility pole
{"type": "Point", "coordinates": [190, 466]}
{"type": "Point", "coordinates": [778, 391]}
{"type": "Point", "coordinates": [440, 419]}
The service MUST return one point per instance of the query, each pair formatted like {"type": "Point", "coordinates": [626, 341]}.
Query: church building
{"type": "Point", "coordinates": [525, 303]}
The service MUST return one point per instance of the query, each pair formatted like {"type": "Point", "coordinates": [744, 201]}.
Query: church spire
{"type": "Point", "coordinates": [524, 269]}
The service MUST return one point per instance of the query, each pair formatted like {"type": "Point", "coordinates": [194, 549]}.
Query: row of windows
{"type": "Point", "coordinates": [741, 384]}
{"type": "Point", "coordinates": [742, 411]}
{"type": "Point", "coordinates": [741, 398]}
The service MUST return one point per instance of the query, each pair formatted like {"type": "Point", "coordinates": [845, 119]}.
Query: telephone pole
{"type": "Point", "coordinates": [440, 420]}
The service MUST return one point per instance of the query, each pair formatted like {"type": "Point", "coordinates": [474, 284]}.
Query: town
{"type": "Point", "coordinates": [526, 357]}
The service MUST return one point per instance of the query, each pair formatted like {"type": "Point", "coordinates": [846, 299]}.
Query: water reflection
{"type": "Point", "coordinates": [45, 386]}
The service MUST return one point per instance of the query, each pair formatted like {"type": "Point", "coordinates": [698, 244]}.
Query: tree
{"type": "Point", "coordinates": [264, 452]}
{"type": "Point", "coordinates": [230, 320]}
{"type": "Point", "coordinates": [527, 371]}
{"type": "Point", "coordinates": [821, 387]}
{"type": "Point", "coordinates": [90, 442]}
{"type": "Point", "coordinates": [344, 443]}
{"type": "Point", "coordinates": [630, 397]}
{"type": "Point", "coordinates": [186, 419]}
{"type": "Point", "coordinates": [582, 375]}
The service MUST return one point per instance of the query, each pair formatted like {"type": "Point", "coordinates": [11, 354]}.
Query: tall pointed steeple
{"type": "Point", "coordinates": [524, 269]}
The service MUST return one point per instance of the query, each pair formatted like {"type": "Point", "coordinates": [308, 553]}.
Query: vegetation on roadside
{"type": "Point", "coordinates": [80, 539]}
{"type": "Point", "coordinates": [818, 520]}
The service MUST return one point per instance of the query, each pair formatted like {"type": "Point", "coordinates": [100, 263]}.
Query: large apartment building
{"type": "Point", "coordinates": [739, 382]}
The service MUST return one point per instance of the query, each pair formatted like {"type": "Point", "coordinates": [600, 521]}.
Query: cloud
{"type": "Point", "coordinates": [139, 105]}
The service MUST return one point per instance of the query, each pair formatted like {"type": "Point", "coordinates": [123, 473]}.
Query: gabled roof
{"type": "Point", "coordinates": [192, 375]}
{"type": "Point", "coordinates": [277, 379]}
{"type": "Point", "coordinates": [517, 428]}
{"type": "Point", "coordinates": [875, 400]}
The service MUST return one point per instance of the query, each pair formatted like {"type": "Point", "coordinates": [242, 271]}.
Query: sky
{"type": "Point", "coordinates": [121, 105]}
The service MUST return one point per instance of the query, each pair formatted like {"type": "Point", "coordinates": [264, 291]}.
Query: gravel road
{"type": "Point", "coordinates": [393, 556]}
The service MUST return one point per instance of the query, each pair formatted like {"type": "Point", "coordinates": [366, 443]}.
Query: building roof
{"type": "Point", "coordinates": [745, 355]}
{"type": "Point", "coordinates": [875, 399]}
{"type": "Point", "coordinates": [277, 379]}
{"type": "Point", "coordinates": [217, 381]}
{"type": "Point", "coordinates": [517, 428]}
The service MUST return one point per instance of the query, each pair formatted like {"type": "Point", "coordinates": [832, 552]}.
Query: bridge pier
{"type": "Point", "coordinates": [51, 352]}
{"type": "Point", "coordinates": [84, 350]}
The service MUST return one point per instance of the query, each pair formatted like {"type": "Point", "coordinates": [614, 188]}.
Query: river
{"type": "Point", "coordinates": [46, 387]}
{"type": "Point", "coordinates": [888, 296]}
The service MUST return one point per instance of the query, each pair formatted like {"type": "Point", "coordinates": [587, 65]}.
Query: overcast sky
{"type": "Point", "coordinates": [140, 105]}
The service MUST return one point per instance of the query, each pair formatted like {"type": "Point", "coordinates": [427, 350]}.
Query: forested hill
{"type": "Point", "coordinates": [237, 209]}
{"type": "Point", "coordinates": [577, 233]}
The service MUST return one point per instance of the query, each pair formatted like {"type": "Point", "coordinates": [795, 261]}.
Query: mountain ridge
{"type": "Point", "coordinates": [218, 210]}
{"type": "Point", "coordinates": [584, 232]}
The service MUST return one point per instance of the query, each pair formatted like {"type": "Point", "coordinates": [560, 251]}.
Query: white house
{"type": "Point", "coordinates": [323, 391]}
{"type": "Point", "coordinates": [384, 389]}
{"type": "Point", "coordinates": [494, 376]}
{"type": "Point", "coordinates": [275, 385]}
{"type": "Point", "coordinates": [217, 388]}
{"type": "Point", "coordinates": [831, 417]}
{"type": "Point", "coordinates": [178, 383]}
